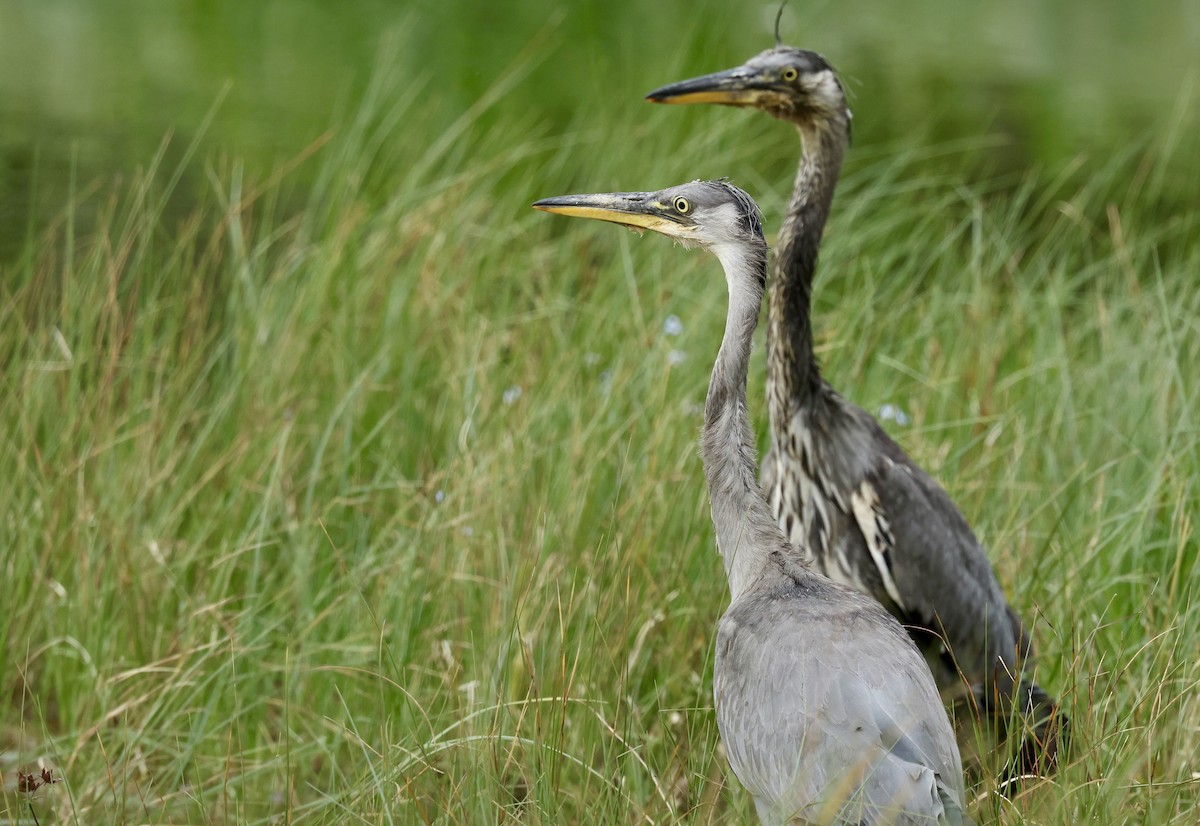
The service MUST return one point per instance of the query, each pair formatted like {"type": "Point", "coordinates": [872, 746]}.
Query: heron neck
{"type": "Point", "coordinates": [740, 514]}
{"type": "Point", "coordinates": [793, 375]}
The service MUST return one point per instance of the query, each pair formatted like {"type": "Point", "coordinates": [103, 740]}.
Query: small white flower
{"type": "Point", "coordinates": [892, 413]}
{"type": "Point", "coordinates": [672, 326]}
{"type": "Point", "coordinates": [156, 552]}
{"type": "Point", "coordinates": [439, 496]}
{"type": "Point", "coordinates": [512, 394]}
{"type": "Point", "coordinates": [676, 357]}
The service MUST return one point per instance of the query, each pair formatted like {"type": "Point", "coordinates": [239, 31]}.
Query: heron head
{"type": "Point", "coordinates": [791, 84]}
{"type": "Point", "coordinates": [714, 215]}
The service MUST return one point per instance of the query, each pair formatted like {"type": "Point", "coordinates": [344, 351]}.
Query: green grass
{"type": "Point", "coordinates": [281, 543]}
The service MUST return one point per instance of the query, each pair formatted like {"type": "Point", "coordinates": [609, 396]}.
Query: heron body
{"type": "Point", "coordinates": [825, 706]}
{"type": "Point", "coordinates": [840, 488]}
{"type": "Point", "coordinates": [873, 749]}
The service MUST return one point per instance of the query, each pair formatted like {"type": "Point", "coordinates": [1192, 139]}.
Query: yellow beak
{"type": "Point", "coordinates": [632, 209]}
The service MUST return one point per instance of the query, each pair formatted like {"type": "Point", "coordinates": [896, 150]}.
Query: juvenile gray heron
{"type": "Point", "coordinates": [828, 713]}
{"type": "Point", "coordinates": [837, 483]}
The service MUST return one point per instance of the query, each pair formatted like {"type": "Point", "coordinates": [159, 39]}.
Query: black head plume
{"type": "Point", "coordinates": [778, 17]}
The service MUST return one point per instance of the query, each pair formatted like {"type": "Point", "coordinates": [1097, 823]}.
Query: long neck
{"type": "Point", "coordinates": [792, 374]}
{"type": "Point", "coordinates": [744, 526]}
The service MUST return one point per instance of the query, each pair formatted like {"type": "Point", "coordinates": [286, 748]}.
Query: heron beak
{"type": "Point", "coordinates": [638, 210]}
{"type": "Point", "coordinates": [733, 87]}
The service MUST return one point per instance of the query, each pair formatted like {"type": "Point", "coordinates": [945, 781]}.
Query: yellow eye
{"type": "Point", "coordinates": [681, 205]}
{"type": "Point", "coordinates": [789, 74]}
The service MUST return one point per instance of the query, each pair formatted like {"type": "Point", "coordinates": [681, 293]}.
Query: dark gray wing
{"type": "Point", "coordinates": [939, 569]}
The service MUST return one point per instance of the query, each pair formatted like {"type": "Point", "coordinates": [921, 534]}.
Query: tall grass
{"type": "Point", "coordinates": [387, 508]}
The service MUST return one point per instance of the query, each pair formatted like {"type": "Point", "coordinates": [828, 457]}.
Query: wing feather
{"type": "Point", "coordinates": [873, 523]}
{"type": "Point", "coordinates": [826, 703]}
{"type": "Point", "coordinates": [941, 572]}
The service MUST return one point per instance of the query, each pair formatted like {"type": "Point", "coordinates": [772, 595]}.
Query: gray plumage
{"type": "Point", "coordinates": [838, 485]}
{"type": "Point", "coordinates": [859, 739]}
{"type": "Point", "coordinates": [826, 709]}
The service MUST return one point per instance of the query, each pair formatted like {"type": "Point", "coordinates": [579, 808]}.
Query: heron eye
{"type": "Point", "coordinates": [789, 74]}
{"type": "Point", "coordinates": [681, 205]}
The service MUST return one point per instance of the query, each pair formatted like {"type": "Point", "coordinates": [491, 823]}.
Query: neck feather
{"type": "Point", "coordinates": [746, 531]}
{"type": "Point", "coordinates": [792, 373]}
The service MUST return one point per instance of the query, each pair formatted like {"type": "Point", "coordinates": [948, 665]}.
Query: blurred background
{"type": "Point", "coordinates": [337, 480]}
{"type": "Point", "coordinates": [89, 89]}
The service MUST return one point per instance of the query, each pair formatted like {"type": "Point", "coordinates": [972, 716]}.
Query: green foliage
{"type": "Point", "coordinates": [358, 492]}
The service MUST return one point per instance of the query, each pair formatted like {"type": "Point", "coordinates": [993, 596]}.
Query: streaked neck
{"type": "Point", "coordinates": [793, 375]}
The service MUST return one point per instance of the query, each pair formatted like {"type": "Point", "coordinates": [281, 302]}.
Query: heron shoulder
{"type": "Point", "coordinates": [792, 606]}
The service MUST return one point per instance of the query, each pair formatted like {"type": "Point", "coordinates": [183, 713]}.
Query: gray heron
{"type": "Point", "coordinates": [838, 485]}
{"type": "Point", "coordinates": [828, 712]}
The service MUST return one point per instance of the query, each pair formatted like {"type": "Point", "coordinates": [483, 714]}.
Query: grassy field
{"type": "Point", "coordinates": [349, 489]}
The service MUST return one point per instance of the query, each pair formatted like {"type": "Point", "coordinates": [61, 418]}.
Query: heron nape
{"type": "Point", "coordinates": [827, 710]}
{"type": "Point", "coordinates": [838, 485]}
